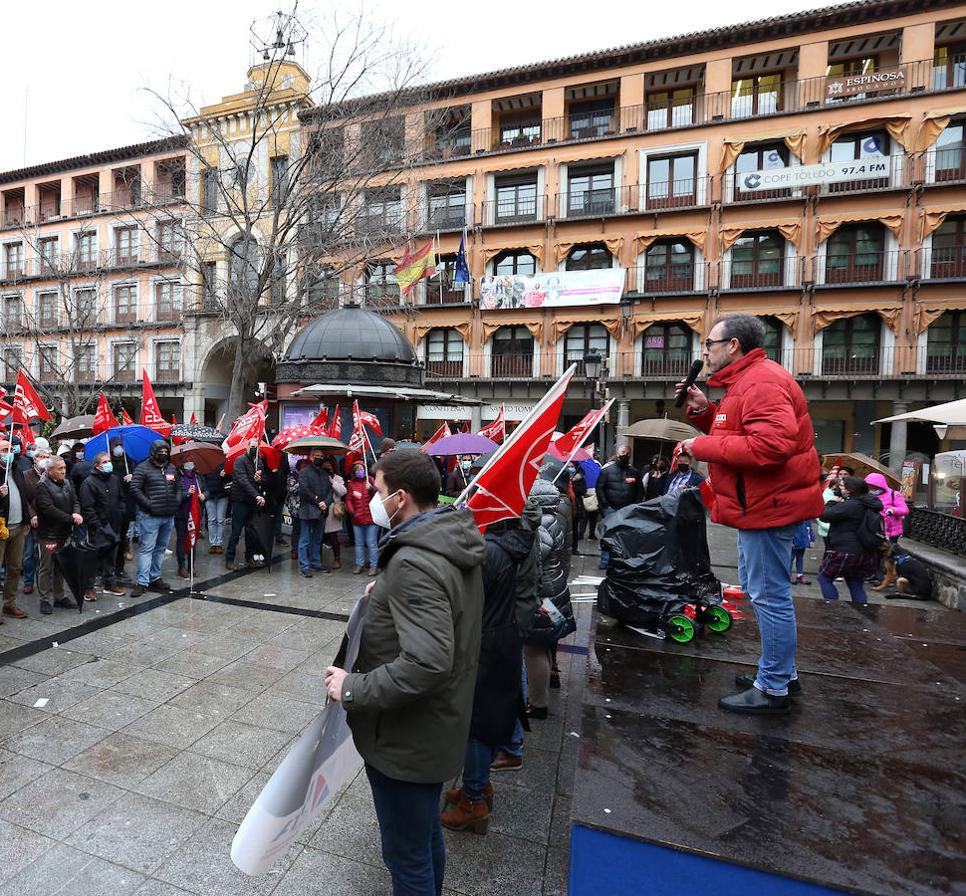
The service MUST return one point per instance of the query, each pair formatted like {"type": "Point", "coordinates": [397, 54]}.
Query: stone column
{"type": "Point", "coordinates": [476, 417]}
{"type": "Point", "coordinates": [897, 438]}
{"type": "Point", "coordinates": [623, 421]}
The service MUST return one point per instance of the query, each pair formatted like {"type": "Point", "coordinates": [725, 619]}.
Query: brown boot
{"type": "Point", "coordinates": [455, 794]}
{"type": "Point", "coordinates": [466, 816]}
{"type": "Point", "coordinates": [337, 564]}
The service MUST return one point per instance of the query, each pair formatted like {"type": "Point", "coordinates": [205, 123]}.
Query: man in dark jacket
{"type": "Point", "coordinates": [123, 470]}
{"type": "Point", "coordinates": [102, 506]}
{"type": "Point", "coordinates": [246, 500]}
{"type": "Point", "coordinates": [315, 496]}
{"type": "Point", "coordinates": [683, 476]}
{"type": "Point", "coordinates": [619, 485]}
{"type": "Point", "coordinates": [16, 509]}
{"type": "Point", "coordinates": [762, 461]}
{"type": "Point", "coordinates": [410, 696]}
{"type": "Point", "coordinates": [216, 488]}
{"type": "Point", "coordinates": [58, 511]}
{"type": "Point", "coordinates": [156, 490]}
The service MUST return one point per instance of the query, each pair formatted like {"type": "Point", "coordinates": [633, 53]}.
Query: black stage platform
{"type": "Point", "coordinates": [861, 789]}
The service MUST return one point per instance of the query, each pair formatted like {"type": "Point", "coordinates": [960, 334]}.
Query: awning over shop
{"type": "Point", "coordinates": [398, 393]}
{"type": "Point", "coordinates": [646, 237]}
{"type": "Point", "coordinates": [791, 230]}
{"type": "Point", "coordinates": [825, 315]}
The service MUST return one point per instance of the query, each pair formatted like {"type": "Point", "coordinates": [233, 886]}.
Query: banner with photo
{"type": "Point", "coordinates": [555, 289]}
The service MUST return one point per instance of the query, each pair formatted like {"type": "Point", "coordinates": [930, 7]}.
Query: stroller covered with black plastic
{"type": "Point", "coordinates": [660, 578]}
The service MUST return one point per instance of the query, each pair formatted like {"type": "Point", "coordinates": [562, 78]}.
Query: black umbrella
{"type": "Point", "coordinates": [197, 433]}
{"type": "Point", "coordinates": [262, 527]}
{"type": "Point", "coordinates": [78, 565]}
{"type": "Point", "coordinates": [75, 428]}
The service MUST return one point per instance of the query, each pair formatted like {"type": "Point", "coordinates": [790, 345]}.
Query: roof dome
{"type": "Point", "coordinates": [351, 334]}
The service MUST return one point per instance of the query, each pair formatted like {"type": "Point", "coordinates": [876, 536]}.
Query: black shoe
{"type": "Point", "coordinates": [138, 590]}
{"type": "Point", "coordinates": [65, 604]}
{"type": "Point", "coordinates": [46, 608]}
{"type": "Point", "coordinates": [159, 585]}
{"type": "Point", "coordinates": [756, 703]}
{"type": "Point", "coordinates": [537, 712]}
{"type": "Point", "coordinates": [748, 681]}
{"type": "Point", "coordinates": [555, 680]}
{"type": "Point", "coordinates": [306, 572]}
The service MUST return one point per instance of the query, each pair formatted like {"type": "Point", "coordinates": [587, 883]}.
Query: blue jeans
{"type": "Point", "coordinates": [216, 508]}
{"type": "Point", "coordinates": [855, 585]}
{"type": "Point", "coordinates": [476, 767]}
{"type": "Point", "coordinates": [366, 537]}
{"type": "Point", "coordinates": [604, 555]}
{"type": "Point", "coordinates": [765, 556]}
{"type": "Point", "coordinates": [310, 544]}
{"type": "Point", "coordinates": [798, 555]}
{"type": "Point", "coordinates": [155, 532]}
{"type": "Point", "coordinates": [30, 557]}
{"type": "Point", "coordinates": [412, 839]}
{"type": "Point", "coordinates": [515, 746]}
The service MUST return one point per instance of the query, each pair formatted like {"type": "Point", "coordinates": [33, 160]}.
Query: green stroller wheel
{"type": "Point", "coordinates": [717, 618]}
{"type": "Point", "coordinates": [680, 628]}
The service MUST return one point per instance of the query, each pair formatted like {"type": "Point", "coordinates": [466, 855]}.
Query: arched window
{"type": "Point", "coordinates": [243, 263]}
{"type": "Point", "coordinates": [515, 261]}
{"type": "Point", "coordinates": [851, 345]}
{"type": "Point", "coordinates": [950, 157]}
{"type": "Point", "coordinates": [946, 343]}
{"type": "Point", "coordinates": [669, 266]}
{"type": "Point", "coordinates": [382, 290]}
{"type": "Point", "coordinates": [589, 257]}
{"type": "Point", "coordinates": [582, 339]}
{"type": "Point", "coordinates": [855, 254]}
{"type": "Point", "coordinates": [758, 260]}
{"type": "Point", "coordinates": [666, 350]}
{"type": "Point", "coordinates": [444, 353]}
{"type": "Point", "coordinates": [512, 352]}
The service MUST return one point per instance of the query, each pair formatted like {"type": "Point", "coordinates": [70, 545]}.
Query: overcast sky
{"type": "Point", "coordinates": [81, 68]}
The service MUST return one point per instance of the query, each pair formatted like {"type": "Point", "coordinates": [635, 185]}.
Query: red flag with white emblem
{"type": "Point", "coordinates": [27, 405]}
{"type": "Point", "coordinates": [335, 427]}
{"type": "Point", "coordinates": [104, 418]}
{"type": "Point", "coordinates": [497, 429]}
{"type": "Point", "coordinates": [126, 418]}
{"type": "Point", "coordinates": [440, 433]}
{"type": "Point", "coordinates": [321, 419]}
{"type": "Point", "coordinates": [569, 443]}
{"type": "Point", "coordinates": [150, 412]}
{"type": "Point", "coordinates": [365, 419]}
{"type": "Point", "coordinates": [194, 522]}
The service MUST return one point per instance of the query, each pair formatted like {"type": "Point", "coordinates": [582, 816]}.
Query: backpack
{"type": "Point", "coordinates": [871, 531]}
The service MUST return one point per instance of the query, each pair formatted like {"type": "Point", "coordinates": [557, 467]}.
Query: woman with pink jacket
{"type": "Point", "coordinates": [894, 506]}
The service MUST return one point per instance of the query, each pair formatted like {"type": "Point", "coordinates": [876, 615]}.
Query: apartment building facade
{"type": "Point", "coordinates": [91, 276]}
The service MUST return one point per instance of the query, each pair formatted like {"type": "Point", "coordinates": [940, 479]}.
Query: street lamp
{"type": "Point", "coordinates": [593, 362]}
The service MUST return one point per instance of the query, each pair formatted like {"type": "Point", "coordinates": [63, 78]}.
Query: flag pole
{"type": "Point", "coordinates": [436, 257]}
{"type": "Point", "coordinates": [580, 445]}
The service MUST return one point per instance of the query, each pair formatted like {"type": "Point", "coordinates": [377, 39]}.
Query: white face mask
{"type": "Point", "coordinates": [117, 450]}
{"type": "Point", "coordinates": [189, 466]}
{"type": "Point", "coordinates": [377, 508]}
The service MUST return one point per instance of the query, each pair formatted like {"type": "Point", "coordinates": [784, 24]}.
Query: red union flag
{"type": "Point", "coordinates": [4, 407]}
{"type": "Point", "coordinates": [251, 425]}
{"type": "Point", "coordinates": [194, 419]}
{"type": "Point", "coordinates": [27, 405]}
{"type": "Point", "coordinates": [357, 445]}
{"type": "Point", "coordinates": [104, 419]}
{"type": "Point", "coordinates": [126, 418]}
{"type": "Point", "coordinates": [150, 412]}
{"type": "Point", "coordinates": [440, 433]}
{"type": "Point", "coordinates": [322, 419]}
{"type": "Point", "coordinates": [497, 429]}
{"type": "Point", "coordinates": [364, 418]}
{"type": "Point", "coordinates": [335, 427]}
{"type": "Point", "coordinates": [570, 441]}
{"type": "Point", "coordinates": [194, 522]}
{"type": "Point", "coordinates": [502, 486]}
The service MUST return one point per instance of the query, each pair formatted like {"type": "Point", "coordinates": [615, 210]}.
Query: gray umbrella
{"type": "Point", "coordinates": [75, 428]}
{"type": "Point", "coordinates": [197, 432]}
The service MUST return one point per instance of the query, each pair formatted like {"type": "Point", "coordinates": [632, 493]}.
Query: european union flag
{"type": "Point", "coordinates": [461, 272]}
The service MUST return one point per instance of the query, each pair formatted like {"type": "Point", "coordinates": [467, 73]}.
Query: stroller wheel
{"type": "Point", "coordinates": [680, 628]}
{"type": "Point", "coordinates": [717, 618]}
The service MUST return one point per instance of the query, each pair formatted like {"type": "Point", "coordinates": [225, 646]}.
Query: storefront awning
{"type": "Point", "coordinates": [397, 393]}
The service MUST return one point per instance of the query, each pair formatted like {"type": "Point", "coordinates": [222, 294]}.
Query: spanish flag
{"type": "Point", "coordinates": [413, 267]}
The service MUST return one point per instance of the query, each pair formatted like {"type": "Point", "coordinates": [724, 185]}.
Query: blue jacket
{"type": "Point", "coordinates": [803, 536]}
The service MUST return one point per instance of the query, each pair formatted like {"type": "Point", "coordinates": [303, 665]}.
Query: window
{"type": "Point", "coordinates": [515, 261]}
{"type": "Point", "coordinates": [669, 266]}
{"type": "Point", "coordinates": [773, 338]}
{"type": "Point", "coordinates": [440, 289]}
{"type": "Point", "coordinates": [169, 238]}
{"type": "Point", "coordinates": [279, 179]}
{"type": "Point", "coordinates": [851, 345]}
{"type": "Point", "coordinates": [47, 250]}
{"type": "Point", "coordinates": [949, 67]}
{"type": "Point", "coordinates": [279, 271]}
{"type": "Point", "coordinates": [444, 353]}
{"type": "Point", "coordinates": [671, 181]}
{"type": "Point", "coordinates": [666, 350]}
{"type": "Point", "coordinates": [520, 130]}
{"type": "Point", "coordinates": [946, 343]}
{"type": "Point", "coordinates": [12, 362]}
{"type": "Point", "coordinates": [167, 297]}
{"type": "Point", "coordinates": [948, 250]}
{"type": "Point", "coordinates": [127, 187]}
{"type": "Point", "coordinates": [124, 361]}
{"type": "Point", "coordinates": [670, 108]}
{"type": "Point", "coordinates": [447, 206]}
{"type": "Point", "coordinates": [950, 158]}
{"type": "Point", "coordinates": [381, 287]}
{"type": "Point", "coordinates": [383, 213]}
{"type": "Point", "coordinates": [848, 69]}
{"type": "Point", "coordinates": [209, 285]}
{"type": "Point", "coordinates": [594, 118]}
{"type": "Point", "coordinates": [209, 191]}
{"type": "Point", "coordinates": [243, 273]}
{"type": "Point", "coordinates": [125, 303]}
{"type": "Point", "coordinates": [590, 257]}
{"type": "Point", "coordinates": [512, 352]}
{"type": "Point", "coordinates": [860, 145]}
{"type": "Point", "coordinates": [125, 245]}
{"type": "Point", "coordinates": [48, 306]}
{"type": "Point", "coordinates": [85, 248]}
{"type": "Point", "coordinates": [516, 199]}
{"type": "Point", "coordinates": [241, 165]}
{"type": "Point", "coordinates": [590, 191]}
{"type": "Point", "coordinates": [12, 314]}
{"type": "Point", "coordinates": [13, 260]}
{"type": "Point", "coordinates": [768, 157]}
{"type": "Point", "coordinates": [757, 260]}
{"type": "Point", "coordinates": [759, 95]}
{"type": "Point", "coordinates": [453, 137]}
{"type": "Point", "coordinates": [855, 254]}
{"type": "Point", "coordinates": [85, 362]}
{"type": "Point", "coordinates": [48, 363]}
{"type": "Point", "coordinates": [167, 362]}
{"type": "Point", "coordinates": [321, 286]}
{"type": "Point", "coordinates": [85, 308]}
{"type": "Point", "coordinates": [581, 339]}
{"type": "Point", "coordinates": [385, 140]}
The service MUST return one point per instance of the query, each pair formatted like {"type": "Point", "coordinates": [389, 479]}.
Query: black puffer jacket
{"type": "Point", "coordinates": [55, 502]}
{"type": "Point", "coordinates": [102, 502]}
{"type": "Point", "coordinates": [554, 559]}
{"type": "Point", "coordinates": [156, 490]}
{"type": "Point", "coordinates": [498, 698]}
{"type": "Point", "coordinates": [618, 486]}
{"type": "Point", "coordinates": [215, 484]}
{"type": "Point", "coordinates": [844, 518]}
{"type": "Point", "coordinates": [244, 488]}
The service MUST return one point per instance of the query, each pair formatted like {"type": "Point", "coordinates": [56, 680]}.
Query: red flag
{"type": "Point", "coordinates": [26, 402]}
{"type": "Point", "coordinates": [502, 486]}
{"type": "Point", "coordinates": [104, 418]}
{"type": "Point", "coordinates": [194, 419]}
{"type": "Point", "coordinates": [570, 441]}
{"type": "Point", "coordinates": [335, 427]}
{"type": "Point", "coordinates": [465, 426]}
{"type": "Point", "coordinates": [497, 429]}
{"type": "Point", "coordinates": [251, 425]}
{"type": "Point", "coordinates": [4, 407]}
{"type": "Point", "coordinates": [366, 419]}
{"type": "Point", "coordinates": [126, 418]}
{"type": "Point", "coordinates": [440, 433]}
{"type": "Point", "coordinates": [150, 412]}
{"type": "Point", "coordinates": [194, 522]}
{"type": "Point", "coordinates": [174, 420]}
{"type": "Point", "coordinates": [357, 445]}
{"type": "Point", "coordinates": [321, 419]}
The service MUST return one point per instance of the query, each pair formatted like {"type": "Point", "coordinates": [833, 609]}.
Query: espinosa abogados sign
{"type": "Point", "coordinates": [851, 85]}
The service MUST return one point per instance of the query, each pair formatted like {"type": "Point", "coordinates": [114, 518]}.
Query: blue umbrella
{"type": "Point", "coordinates": [137, 441]}
{"type": "Point", "coordinates": [591, 472]}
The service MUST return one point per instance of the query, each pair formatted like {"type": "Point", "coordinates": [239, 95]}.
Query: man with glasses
{"type": "Point", "coordinates": [764, 469]}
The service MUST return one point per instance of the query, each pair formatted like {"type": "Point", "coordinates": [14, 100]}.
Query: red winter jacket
{"type": "Point", "coordinates": [359, 493]}
{"type": "Point", "coordinates": [760, 447]}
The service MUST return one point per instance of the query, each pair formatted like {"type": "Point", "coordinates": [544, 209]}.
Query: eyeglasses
{"type": "Point", "coordinates": [709, 342]}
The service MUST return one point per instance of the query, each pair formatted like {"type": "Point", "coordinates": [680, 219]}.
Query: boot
{"type": "Point", "coordinates": [337, 564]}
{"type": "Point", "coordinates": [372, 571]}
{"type": "Point", "coordinates": [46, 607]}
{"type": "Point", "coordinates": [183, 572]}
{"type": "Point", "coordinates": [357, 570]}
{"type": "Point", "coordinates": [466, 816]}
{"type": "Point", "coordinates": [455, 794]}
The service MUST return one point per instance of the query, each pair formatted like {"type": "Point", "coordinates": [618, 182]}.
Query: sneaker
{"type": "Point", "coordinates": [89, 595]}
{"type": "Point", "coordinates": [504, 762]}
{"type": "Point", "coordinates": [747, 681]}
{"type": "Point", "coordinates": [306, 572]}
{"type": "Point", "coordinates": [159, 585]}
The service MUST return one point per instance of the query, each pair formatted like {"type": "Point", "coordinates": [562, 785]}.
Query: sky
{"type": "Point", "coordinates": [79, 77]}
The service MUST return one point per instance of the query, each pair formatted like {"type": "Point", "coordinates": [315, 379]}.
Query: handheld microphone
{"type": "Point", "coordinates": [689, 382]}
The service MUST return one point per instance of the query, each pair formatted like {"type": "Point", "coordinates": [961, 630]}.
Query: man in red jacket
{"type": "Point", "coordinates": [764, 469]}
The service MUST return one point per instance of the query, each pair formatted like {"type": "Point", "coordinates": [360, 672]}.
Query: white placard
{"type": "Point", "coordinates": [809, 175]}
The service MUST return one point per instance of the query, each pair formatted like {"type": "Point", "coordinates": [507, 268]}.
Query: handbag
{"type": "Point", "coordinates": [590, 502]}
{"type": "Point", "coordinates": [338, 509]}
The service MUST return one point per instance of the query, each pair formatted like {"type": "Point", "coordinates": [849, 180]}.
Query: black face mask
{"type": "Point", "coordinates": [684, 468]}
{"type": "Point", "coordinates": [623, 461]}
{"type": "Point", "coordinates": [318, 461]}
{"type": "Point", "coordinates": [253, 453]}
{"type": "Point", "coordinates": [163, 458]}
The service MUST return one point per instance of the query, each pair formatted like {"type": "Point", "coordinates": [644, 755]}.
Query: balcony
{"type": "Point", "coordinates": [447, 370]}
{"type": "Point", "coordinates": [944, 263]}
{"type": "Point", "coordinates": [892, 178]}
{"type": "Point", "coordinates": [674, 279]}
{"type": "Point", "coordinates": [446, 217]}
{"type": "Point", "coordinates": [665, 195]}
{"type": "Point", "coordinates": [519, 210]}
{"type": "Point", "coordinates": [862, 268]}
{"type": "Point", "coordinates": [779, 273]}
{"type": "Point", "coordinates": [511, 366]}
{"type": "Point", "coordinates": [167, 374]}
{"type": "Point", "coordinates": [943, 165]}
{"type": "Point", "coordinates": [587, 203]}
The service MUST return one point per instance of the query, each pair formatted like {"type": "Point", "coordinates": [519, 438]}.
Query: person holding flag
{"type": "Point", "coordinates": [188, 519]}
{"type": "Point", "coordinates": [102, 506]}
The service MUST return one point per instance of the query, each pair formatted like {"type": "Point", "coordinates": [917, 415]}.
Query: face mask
{"type": "Point", "coordinates": [189, 466]}
{"type": "Point", "coordinates": [107, 468]}
{"type": "Point", "coordinates": [360, 474]}
{"type": "Point", "coordinates": [117, 450]}
{"type": "Point", "coordinates": [623, 461]}
{"type": "Point", "coordinates": [6, 459]}
{"type": "Point", "coordinates": [163, 457]}
{"type": "Point", "coordinates": [466, 464]}
{"type": "Point", "coordinates": [31, 452]}
{"type": "Point", "coordinates": [16, 449]}
{"type": "Point", "coordinates": [253, 453]}
{"type": "Point", "coordinates": [318, 461]}
{"type": "Point", "coordinates": [79, 455]}
{"type": "Point", "coordinates": [377, 508]}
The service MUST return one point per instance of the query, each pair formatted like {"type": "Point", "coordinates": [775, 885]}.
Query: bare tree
{"type": "Point", "coordinates": [299, 191]}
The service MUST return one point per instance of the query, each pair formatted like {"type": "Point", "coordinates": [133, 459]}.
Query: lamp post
{"type": "Point", "coordinates": [593, 370]}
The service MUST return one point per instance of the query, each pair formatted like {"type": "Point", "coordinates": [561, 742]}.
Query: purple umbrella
{"type": "Point", "coordinates": [462, 443]}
